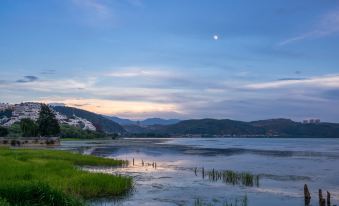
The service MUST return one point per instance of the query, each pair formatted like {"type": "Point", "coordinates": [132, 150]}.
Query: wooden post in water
{"type": "Point", "coordinates": [142, 162]}
{"type": "Point", "coordinates": [203, 173]}
{"type": "Point", "coordinates": [133, 161]}
{"type": "Point", "coordinates": [307, 195]}
{"type": "Point", "coordinates": [328, 199]}
{"type": "Point", "coordinates": [322, 201]}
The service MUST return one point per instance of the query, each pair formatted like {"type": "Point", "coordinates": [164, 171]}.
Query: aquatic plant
{"type": "Point", "coordinates": [241, 201]}
{"type": "Point", "coordinates": [232, 177]}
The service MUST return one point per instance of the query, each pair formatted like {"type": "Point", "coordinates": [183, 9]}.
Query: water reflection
{"type": "Point", "coordinates": [172, 174]}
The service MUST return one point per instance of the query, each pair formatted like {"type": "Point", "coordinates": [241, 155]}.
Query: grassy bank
{"type": "Point", "coordinates": [46, 177]}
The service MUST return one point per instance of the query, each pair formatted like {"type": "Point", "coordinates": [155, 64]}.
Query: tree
{"type": "Point", "coordinates": [3, 131]}
{"type": "Point", "coordinates": [14, 130]}
{"type": "Point", "coordinates": [48, 124]}
{"type": "Point", "coordinates": [29, 128]}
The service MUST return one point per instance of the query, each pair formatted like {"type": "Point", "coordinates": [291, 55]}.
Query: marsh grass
{"type": "Point", "coordinates": [3, 202]}
{"type": "Point", "coordinates": [234, 178]}
{"type": "Point", "coordinates": [48, 177]}
{"type": "Point", "coordinates": [242, 201]}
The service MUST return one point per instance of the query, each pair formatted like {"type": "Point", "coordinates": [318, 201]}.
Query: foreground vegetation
{"type": "Point", "coordinates": [45, 177]}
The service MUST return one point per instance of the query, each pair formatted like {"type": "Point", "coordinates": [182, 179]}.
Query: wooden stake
{"type": "Point", "coordinates": [307, 195]}
{"type": "Point", "coordinates": [203, 173]}
{"type": "Point", "coordinates": [322, 201]}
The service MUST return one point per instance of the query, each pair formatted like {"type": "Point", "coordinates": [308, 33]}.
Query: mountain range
{"type": "Point", "coordinates": [145, 122]}
{"type": "Point", "coordinates": [227, 127]}
{"type": "Point", "coordinates": [156, 127]}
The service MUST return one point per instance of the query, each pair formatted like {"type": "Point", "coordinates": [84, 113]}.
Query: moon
{"type": "Point", "coordinates": [215, 37]}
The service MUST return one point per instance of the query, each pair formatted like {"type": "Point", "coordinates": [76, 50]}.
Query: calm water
{"type": "Point", "coordinates": [283, 165]}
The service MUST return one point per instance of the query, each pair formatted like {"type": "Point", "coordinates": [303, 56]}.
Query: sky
{"type": "Point", "coordinates": [183, 59]}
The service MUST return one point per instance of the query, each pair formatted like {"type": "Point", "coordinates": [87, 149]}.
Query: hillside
{"type": "Point", "coordinates": [213, 127]}
{"type": "Point", "coordinates": [159, 121]}
{"type": "Point", "coordinates": [272, 127]}
{"type": "Point", "coordinates": [286, 127]}
{"type": "Point", "coordinates": [121, 121]}
{"type": "Point", "coordinates": [101, 123]}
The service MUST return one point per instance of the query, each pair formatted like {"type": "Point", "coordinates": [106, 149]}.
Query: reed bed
{"type": "Point", "coordinates": [242, 201]}
{"type": "Point", "coordinates": [231, 177]}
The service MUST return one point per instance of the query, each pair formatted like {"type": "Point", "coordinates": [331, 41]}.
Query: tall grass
{"type": "Point", "coordinates": [241, 201]}
{"type": "Point", "coordinates": [46, 177]}
{"type": "Point", "coordinates": [234, 178]}
{"type": "Point", "coordinates": [3, 202]}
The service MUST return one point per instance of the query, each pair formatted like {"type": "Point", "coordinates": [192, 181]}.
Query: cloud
{"type": "Point", "coordinates": [141, 92]}
{"type": "Point", "coordinates": [326, 26]}
{"type": "Point", "coordinates": [331, 81]}
{"type": "Point", "coordinates": [27, 79]}
{"type": "Point", "coordinates": [96, 7]}
{"type": "Point", "coordinates": [116, 107]}
{"type": "Point", "coordinates": [140, 72]}
{"type": "Point", "coordinates": [291, 78]}
{"type": "Point", "coordinates": [31, 84]}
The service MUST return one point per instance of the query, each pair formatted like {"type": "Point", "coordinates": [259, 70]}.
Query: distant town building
{"type": "Point", "coordinates": [311, 121]}
{"type": "Point", "coordinates": [4, 106]}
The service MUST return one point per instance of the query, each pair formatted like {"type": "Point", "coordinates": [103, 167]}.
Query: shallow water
{"type": "Point", "coordinates": [283, 166]}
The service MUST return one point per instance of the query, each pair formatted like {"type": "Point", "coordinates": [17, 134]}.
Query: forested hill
{"type": "Point", "coordinates": [272, 127]}
{"type": "Point", "coordinates": [213, 127]}
{"type": "Point", "coordinates": [101, 123]}
{"type": "Point", "coordinates": [287, 127]}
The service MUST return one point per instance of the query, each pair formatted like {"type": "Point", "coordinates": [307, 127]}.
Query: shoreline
{"type": "Point", "coordinates": [161, 144]}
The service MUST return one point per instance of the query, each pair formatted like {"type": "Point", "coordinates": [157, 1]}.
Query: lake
{"type": "Point", "coordinates": [170, 171]}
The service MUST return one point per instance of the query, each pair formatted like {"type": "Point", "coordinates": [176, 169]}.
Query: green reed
{"type": "Point", "coordinates": [232, 177]}
{"type": "Point", "coordinates": [242, 201]}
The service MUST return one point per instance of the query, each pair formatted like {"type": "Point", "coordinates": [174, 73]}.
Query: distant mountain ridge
{"type": "Point", "coordinates": [145, 122]}
{"type": "Point", "coordinates": [213, 127]}
{"type": "Point", "coordinates": [227, 127]}
{"type": "Point", "coordinates": [159, 121]}
{"type": "Point", "coordinates": [271, 127]}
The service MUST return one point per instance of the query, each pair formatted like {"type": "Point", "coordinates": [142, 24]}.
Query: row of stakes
{"type": "Point", "coordinates": [322, 201]}
{"type": "Point", "coordinates": [153, 164]}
